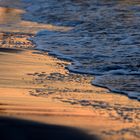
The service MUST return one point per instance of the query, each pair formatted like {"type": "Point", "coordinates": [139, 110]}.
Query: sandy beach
{"type": "Point", "coordinates": [37, 87]}
{"type": "Point", "coordinates": [37, 90]}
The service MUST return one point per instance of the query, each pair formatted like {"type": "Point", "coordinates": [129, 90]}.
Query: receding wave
{"type": "Point", "coordinates": [104, 41]}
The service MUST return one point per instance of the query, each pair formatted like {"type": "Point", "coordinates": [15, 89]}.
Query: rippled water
{"type": "Point", "coordinates": [105, 40]}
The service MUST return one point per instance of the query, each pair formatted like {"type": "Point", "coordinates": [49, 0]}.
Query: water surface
{"type": "Point", "coordinates": [104, 41]}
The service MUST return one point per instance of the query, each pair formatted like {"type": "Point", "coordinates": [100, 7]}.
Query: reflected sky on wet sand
{"type": "Point", "coordinates": [11, 21]}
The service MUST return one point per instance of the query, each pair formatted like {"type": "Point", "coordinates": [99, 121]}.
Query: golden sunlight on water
{"type": "Point", "coordinates": [9, 16]}
{"type": "Point", "coordinates": [10, 21]}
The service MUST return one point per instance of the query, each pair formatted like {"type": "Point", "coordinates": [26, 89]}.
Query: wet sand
{"type": "Point", "coordinates": [11, 21]}
{"type": "Point", "coordinates": [36, 86]}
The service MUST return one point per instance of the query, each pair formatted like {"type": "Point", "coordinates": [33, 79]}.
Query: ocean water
{"type": "Point", "coordinates": [104, 41]}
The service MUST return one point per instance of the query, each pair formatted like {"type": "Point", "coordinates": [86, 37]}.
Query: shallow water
{"type": "Point", "coordinates": [11, 21]}
{"type": "Point", "coordinates": [105, 40]}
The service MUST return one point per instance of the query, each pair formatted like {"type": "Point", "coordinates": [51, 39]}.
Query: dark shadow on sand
{"type": "Point", "coordinates": [10, 50]}
{"type": "Point", "coordinates": [16, 129]}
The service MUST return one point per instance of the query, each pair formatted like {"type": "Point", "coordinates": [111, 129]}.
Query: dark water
{"type": "Point", "coordinates": [105, 40]}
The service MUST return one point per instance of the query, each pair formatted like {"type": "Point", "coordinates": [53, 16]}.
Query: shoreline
{"type": "Point", "coordinates": [36, 86]}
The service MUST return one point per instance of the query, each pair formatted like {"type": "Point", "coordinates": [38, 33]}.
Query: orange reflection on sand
{"type": "Point", "coordinates": [10, 21]}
